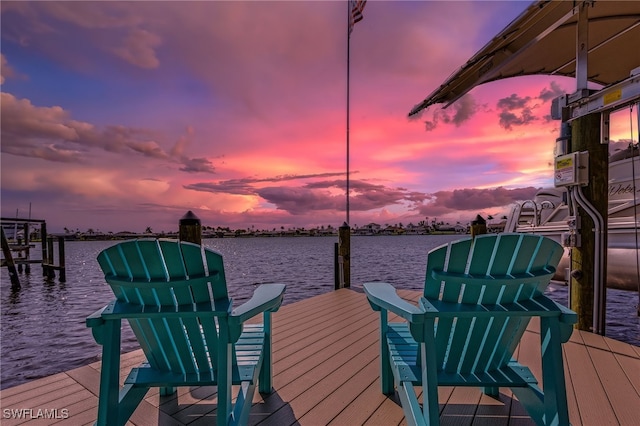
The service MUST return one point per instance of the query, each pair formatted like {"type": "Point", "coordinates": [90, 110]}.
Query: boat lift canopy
{"type": "Point", "coordinates": [543, 41]}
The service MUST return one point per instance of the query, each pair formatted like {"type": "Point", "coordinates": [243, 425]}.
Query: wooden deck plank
{"type": "Point", "coordinates": [461, 407]}
{"type": "Point", "coordinates": [631, 367]}
{"type": "Point", "coordinates": [362, 406]}
{"type": "Point", "coordinates": [28, 387]}
{"type": "Point", "coordinates": [345, 396]}
{"type": "Point", "coordinates": [572, 400]}
{"type": "Point", "coordinates": [615, 381]}
{"type": "Point", "coordinates": [326, 371]}
{"type": "Point", "coordinates": [338, 389]}
{"type": "Point", "coordinates": [593, 405]}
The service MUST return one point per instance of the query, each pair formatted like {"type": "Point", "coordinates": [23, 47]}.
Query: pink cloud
{"type": "Point", "coordinates": [50, 134]}
{"type": "Point", "coordinates": [254, 92]}
{"type": "Point", "coordinates": [139, 49]}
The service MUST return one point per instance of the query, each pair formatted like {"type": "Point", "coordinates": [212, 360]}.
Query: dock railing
{"type": "Point", "coordinates": [17, 237]}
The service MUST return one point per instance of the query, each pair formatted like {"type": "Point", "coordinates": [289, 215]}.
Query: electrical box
{"type": "Point", "coordinates": [571, 169]}
{"type": "Point", "coordinates": [570, 239]}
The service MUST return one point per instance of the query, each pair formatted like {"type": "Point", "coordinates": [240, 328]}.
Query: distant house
{"type": "Point", "coordinates": [370, 229]}
{"type": "Point", "coordinates": [457, 228]}
{"type": "Point", "coordinates": [412, 229]}
{"type": "Point", "coordinates": [393, 230]}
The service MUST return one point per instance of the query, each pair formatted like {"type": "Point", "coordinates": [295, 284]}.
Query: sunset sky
{"type": "Point", "coordinates": [125, 115]}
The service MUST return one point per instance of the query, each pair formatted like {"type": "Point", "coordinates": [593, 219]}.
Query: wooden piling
{"type": "Point", "coordinates": [27, 242]}
{"type": "Point", "coordinates": [344, 252]}
{"type": "Point", "coordinates": [586, 137]}
{"type": "Point", "coordinates": [22, 247]}
{"type": "Point", "coordinates": [190, 228]}
{"type": "Point", "coordinates": [337, 265]}
{"type": "Point", "coordinates": [8, 257]}
{"type": "Point", "coordinates": [478, 226]}
{"type": "Point", "coordinates": [62, 275]}
{"type": "Point", "coordinates": [50, 260]}
{"type": "Point", "coordinates": [45, 257]}
{"type": "Point", "coordinates": [19, 252]}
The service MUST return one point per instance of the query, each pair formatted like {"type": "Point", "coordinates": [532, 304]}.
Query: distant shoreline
{"type": "Point", "coordinates": [174, 235]}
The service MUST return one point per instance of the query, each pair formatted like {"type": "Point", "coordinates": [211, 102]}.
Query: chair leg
{"type": "Point", "coordinates": [109, 398]}
{"type": "Point", "coordinates": [167, 390]}
{"type": "Point", "coordinates": [493, 391]}
{"type": "Point", "coordinates": [386, 373]}
{"type": "Point", "coordinates": [265, 379]}
{"type": "Point", "coordinates": [224, 376]}
{"type": "Point", "coordinates": [243, 404]}
{"type": "Point", "coordinates": [431, 409]}
{"type": "Point", "coordinates": [130, 398]}
{"type": "Point", "coordinates": [410, 405]}
{"type": "Point", "coordinates": [556, 411]}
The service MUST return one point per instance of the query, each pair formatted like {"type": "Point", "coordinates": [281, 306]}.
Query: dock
{"type": "Point", "coordinates": [326, 372]}
{"type": "Point", "coordinates": [21, 246]}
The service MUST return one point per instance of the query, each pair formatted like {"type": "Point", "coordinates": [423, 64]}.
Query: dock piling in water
{"type": "Point", "coordinates": [344, 256]}
{"type": "Point", "coordinates": [8, 259]}
{"type": "Point", "coordinates": [22, 245]}
{"type": "Point", "coordinates": [190, 228]}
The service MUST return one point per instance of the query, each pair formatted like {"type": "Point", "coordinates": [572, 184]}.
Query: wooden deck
{"type": "Point", "coordinates": [326, 373]}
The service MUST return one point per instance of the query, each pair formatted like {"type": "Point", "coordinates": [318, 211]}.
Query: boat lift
{"type": "Point", "coordinates": [592, 41]}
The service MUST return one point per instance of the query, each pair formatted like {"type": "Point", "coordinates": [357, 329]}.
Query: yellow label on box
{"type": "Point", "coordinates": [564, 162]}
{"type": "Point", "coordinates": [616, 95]}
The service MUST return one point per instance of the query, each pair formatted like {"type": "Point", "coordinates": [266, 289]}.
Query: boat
{"type": "Point", "coordinates": [548, 214]}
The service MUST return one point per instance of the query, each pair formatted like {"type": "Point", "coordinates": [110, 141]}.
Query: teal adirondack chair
{"type": "Point", "coordinates": [479, 296]}
{"type": "Point", "coordinates": [174, 296]}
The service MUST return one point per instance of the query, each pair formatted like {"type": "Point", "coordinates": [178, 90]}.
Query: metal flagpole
{"type": "Point", "coordinates": [343, 249]}
{"type": "Point", "coordinates": [348, 75]}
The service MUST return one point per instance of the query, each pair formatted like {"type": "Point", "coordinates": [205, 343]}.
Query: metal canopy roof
{"type": "Point", "coordinates": [542, 40]}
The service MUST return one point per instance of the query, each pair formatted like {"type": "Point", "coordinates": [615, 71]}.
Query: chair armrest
{"type": "Point", "coordinates": [267, 297]}
{"type": "Point", "coordinates": [123, 310]}
{"type": "Point", "coordinates": [95, 319]}
{"type": "Point", "coordinates": [567, 319]}
{"type": "Point", "coordinates": [384, 296]}
{"type": "Point", "coordinates": [567, 316]}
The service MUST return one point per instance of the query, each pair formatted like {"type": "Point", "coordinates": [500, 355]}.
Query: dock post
{"type": "Point", "coordinates": [588, 297]}
{"type": "Point", "coordinates": [62, 277]}
{"type": "Point", "coordinates": [19, 253]}
{"type": "Point", "coordinates": [344, 252]}
{"type": "Point", "coordinates": [337, 265]}
{"type": "Point", "coordinates": [27, 241]}
{"type": "Point", "coordinates": [50, 270]}
{"type": "Point", "coordinates": [43, 242]}
{"type": "Point", "coordinates": [190, 228]}
{"type": "Point", "coordinates": [478, 226]}
{"type": "Point", "coordinates": [8, 257]}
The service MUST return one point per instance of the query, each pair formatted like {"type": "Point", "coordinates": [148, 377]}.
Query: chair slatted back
{"type": "Point", "coordinates": [490, 270]}
{"type": "Point", "coordinates": [166, 274]}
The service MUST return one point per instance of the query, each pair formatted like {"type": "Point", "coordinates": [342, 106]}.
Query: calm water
{"type": "Point", "coordinates": [43, 330]}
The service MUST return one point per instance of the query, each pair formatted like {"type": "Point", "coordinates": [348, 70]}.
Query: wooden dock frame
{"type": "Point", "coordinates": [326, 372]}
{"type": "Point", "coordinates": [22, 248]}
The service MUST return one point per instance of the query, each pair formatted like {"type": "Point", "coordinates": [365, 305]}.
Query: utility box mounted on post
{"type": "Point", "coordinates": [571, 169]}
{"type": "Point", "coordinates": [190, 228]}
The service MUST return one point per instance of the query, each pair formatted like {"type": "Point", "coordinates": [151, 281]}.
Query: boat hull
{"type": "Point", "coordinates": [548, 212]}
